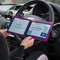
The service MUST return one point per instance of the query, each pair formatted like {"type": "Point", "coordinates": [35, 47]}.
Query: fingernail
{"type": "Point", "coordinates": [32, 39]}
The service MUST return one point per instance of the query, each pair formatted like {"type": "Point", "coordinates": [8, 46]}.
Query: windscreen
{"type": "Point", "coordinates": [24, 1]}
{"type": "Point", "coordinates": [54, 1]}
{"type": "Point", "coordinates": [21, 1]}
{"type": "Point", "coordinates": [2, 0]}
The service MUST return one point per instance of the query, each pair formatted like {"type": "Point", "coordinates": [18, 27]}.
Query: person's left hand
{"type": "Point", "coordinates": [3, 31]}
{"type": "Point", "coordinates": [27, 42]}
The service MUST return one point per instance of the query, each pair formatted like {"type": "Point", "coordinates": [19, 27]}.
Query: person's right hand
{"type": "Point", "coordinates": [3, 31]}
{"type": "Point", "coordinates": [27, 42]}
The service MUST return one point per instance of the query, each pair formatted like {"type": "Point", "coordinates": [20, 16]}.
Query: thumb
{"type": "Point", "coordinates": [32, 40]}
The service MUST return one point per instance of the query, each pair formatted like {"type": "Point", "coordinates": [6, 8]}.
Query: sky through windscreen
{"type": "Point", "coordinates": [24, 1]}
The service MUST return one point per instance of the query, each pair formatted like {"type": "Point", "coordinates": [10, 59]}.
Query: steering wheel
{"type": "Point", "coordinates": [42, 4]}
{"type": "Point", "coordinates": [35, 16]}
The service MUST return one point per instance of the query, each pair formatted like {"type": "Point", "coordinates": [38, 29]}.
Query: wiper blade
{"type": "Point", "coordinates": [7, 4]}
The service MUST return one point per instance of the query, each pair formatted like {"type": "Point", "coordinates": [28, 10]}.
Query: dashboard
{"type": "Point", "coordinates": [10, 10]}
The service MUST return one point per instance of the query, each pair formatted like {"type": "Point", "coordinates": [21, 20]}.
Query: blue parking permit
{"type": "Point", "coordinates": [38, 29]}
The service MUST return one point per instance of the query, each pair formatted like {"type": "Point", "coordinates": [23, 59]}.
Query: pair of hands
{"type": "Point", "coordinates": [27, 42]}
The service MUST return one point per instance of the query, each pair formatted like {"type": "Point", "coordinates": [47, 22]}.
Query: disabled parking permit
{"type": "Point", "coordinates": [39, 30]}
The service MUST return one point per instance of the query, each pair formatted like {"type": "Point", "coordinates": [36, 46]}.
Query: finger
{"type": "Point", "coordinates": [7, 34]}
{"type": "Point", "coordinates": [28, 38]}
{"type": "Point", "coordinates": [32, 41]}
{"type": "Point", "coordinates": [5, 30]}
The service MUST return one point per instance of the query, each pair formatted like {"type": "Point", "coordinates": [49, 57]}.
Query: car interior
{"type": "Point", "coordinates": [35, 10]}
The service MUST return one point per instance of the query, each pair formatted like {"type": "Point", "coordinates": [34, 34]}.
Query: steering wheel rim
{"type": "Point", "coordinates": [51, 12]}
